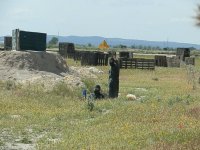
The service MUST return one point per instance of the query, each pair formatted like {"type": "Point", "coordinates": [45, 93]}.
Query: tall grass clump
{"type": "Point", "coordinates": [191, 74]}
{"type": "Point", "coordinates": [89, 84]}
{"type": "Point", "coordinates": [62, 89]}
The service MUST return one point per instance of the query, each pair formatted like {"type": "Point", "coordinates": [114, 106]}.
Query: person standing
{"type": "Point", "coordinates": [113, 78]}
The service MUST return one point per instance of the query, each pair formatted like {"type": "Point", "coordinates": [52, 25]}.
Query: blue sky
{"type": "Point", "coordinates": [155, 20]}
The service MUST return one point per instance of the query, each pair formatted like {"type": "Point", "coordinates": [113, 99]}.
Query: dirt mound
{"type": "Point", "coordinates": [40, 61]}
{"type": "Point", "coordinates": [86, 72]}
{"type": "Point", "coordinates": [41, 67]}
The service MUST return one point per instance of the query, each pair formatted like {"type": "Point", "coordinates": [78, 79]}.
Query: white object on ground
{"type": "Point", "coordinates": [131, 97]}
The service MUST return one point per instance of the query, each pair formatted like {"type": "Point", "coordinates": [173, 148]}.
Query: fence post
{"type": "Point", "coordinates": [136, 64]}
{"type": "Point", "coordinates": [125, 63]}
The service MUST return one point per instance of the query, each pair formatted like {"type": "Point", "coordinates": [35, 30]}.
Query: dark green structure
{"type": "Point", "coordinates": [24, 40]}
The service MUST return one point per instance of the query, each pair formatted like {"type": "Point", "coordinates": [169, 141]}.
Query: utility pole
{"type": "Point", "coordinates": [58, 39]}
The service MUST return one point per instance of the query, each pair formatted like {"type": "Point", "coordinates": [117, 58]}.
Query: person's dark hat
{"type": "Point", "coordinates": [97, 87]}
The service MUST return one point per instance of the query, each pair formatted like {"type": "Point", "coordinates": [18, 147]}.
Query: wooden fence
{"type": "Point", "coordinates": [7, 43]}
{"type": "Point", "coordinates": [173, 61]}
{"type": "Point", "coordinates": [181, 53]}
{"type": "Point", "coordinates": [190, 61]}
{"type": "Point", "coordinates": [137, 63]}
{"type": "Point", "coordinates": [160, 61]}
{"type": "Point", "coordinates": [94, 59]}
{"type": "Point", "coordinates": [91, 58]}
{"type": "Point", "coordinates": [102, 59]}
{"type": "Point", "coordinates": [66, 49]}
{"type": "Point", "coordinates": [125, 54]}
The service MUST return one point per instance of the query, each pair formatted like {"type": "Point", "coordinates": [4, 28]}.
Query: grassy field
{"type": "Point", "coordinates": [166, 114]}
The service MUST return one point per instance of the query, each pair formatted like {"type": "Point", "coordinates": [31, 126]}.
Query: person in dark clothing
{"type": "Point", "coordinates": [97, 92]}
{"type": "Point", "coordinates": [113, 78]}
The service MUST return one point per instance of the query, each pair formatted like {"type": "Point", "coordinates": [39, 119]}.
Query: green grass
{"type": "Point", "coordinates": [165, 117]}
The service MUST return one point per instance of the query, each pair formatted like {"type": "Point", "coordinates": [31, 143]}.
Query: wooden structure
{"type": "Point", "coordinates": [94, 59]}
{"type": "Point", "coordinates": [181, 53]}
{"type": "Point", "coordinates": [112, 54]}
{"type": "Point", "coordinates": [102, 59]}
{"type": "Point", "coordinates": [160, 61]}
{"type": "Point", "coordinates": [125, 54]}
{"type": "Point", "coordinates": [173, 61]}
{"type": "Point", "coordinates": [190, 60]}
{"type": "Point", "coordinates": [67, 49]}
{"type": "Point", "coordinates": [23, 40]}
{"type": "Point", "coordinates": [91, 58]}
{"type": "Point", "coordinates": [8, 43]}
{"type": "Point", "coordinates": [78, 54]}
{"type": "Point", "coordinates": [137, 63]}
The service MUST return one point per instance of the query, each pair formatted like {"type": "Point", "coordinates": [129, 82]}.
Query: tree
{"type": "Point", "coordinates": [53, 41]}
{"type": "Point", "coordinates": [157, 48]}
{"type": "Point", "coordinates": [133, 46]}
{"type": "Point", "coordinates": [140, 47]}
{"type": "Point", "coordinates": [89, 45]}
{"type": "Point", "coordinates": [149, 48]}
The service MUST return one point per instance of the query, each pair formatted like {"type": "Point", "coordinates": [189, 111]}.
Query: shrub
{"type": "Point", "coordinates": [10, 84]}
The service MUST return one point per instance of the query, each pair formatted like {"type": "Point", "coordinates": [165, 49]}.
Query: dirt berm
{"type": "Point", "coordinates": [42, 67]}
